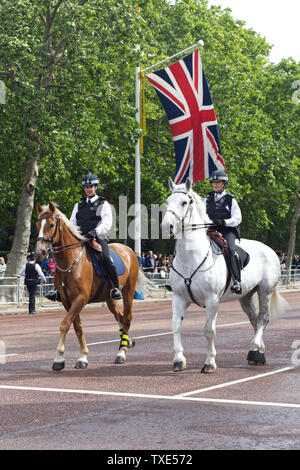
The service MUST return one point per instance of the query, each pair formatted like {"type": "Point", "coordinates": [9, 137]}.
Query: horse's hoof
{"type": "Point", "coordinates": [256, 358]}
{"type": "Point", "coordinates": [131, 343]}
{"type": "Point", "coordinates": [57, 366]}
{"type": "Point", "coordinates": [179, 366]}
{"type": "Point", "coordinates": [208, 369]}
{"type": "Point", "coordinates": [81, 365]}
{"type": "Point", "coordinates": [120, 360]}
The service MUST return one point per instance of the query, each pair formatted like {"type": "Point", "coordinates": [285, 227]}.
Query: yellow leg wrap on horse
{"type": "Point", "coordinates": [124, 341]}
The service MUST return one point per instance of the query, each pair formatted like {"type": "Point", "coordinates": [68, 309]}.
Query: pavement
{"type": "Point", "coordinates": [45, 305]}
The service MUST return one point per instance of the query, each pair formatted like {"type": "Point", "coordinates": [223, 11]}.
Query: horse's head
{"type": "Point", "coordinates": [48, 228]}
{"type": "Point", "coordinates": [178, 207]}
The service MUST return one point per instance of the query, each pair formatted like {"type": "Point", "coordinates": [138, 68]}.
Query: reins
{"type": "Point", "coordinates": [186, 227]}
{"type": "Point", "coordinates": [59, 249]}
{"type": "Point", "coordinates": [189, 226]}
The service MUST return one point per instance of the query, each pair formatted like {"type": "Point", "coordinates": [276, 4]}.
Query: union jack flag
{"type": "Point", "coordinates": [183, 91]}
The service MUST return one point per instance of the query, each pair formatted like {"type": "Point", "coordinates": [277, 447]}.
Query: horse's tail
{"type": "Point", "coordinates": [278, 306]}
{"type": "Point", "coordinates": [143, 283]}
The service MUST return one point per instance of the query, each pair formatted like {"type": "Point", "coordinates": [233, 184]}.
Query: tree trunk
{"type": "Point", "coordinates": [17, 255]}
{"type": "Point", "coordinates": [292, 240]}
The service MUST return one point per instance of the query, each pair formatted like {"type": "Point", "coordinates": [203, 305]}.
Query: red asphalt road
{"type": "Point", "coordinates": [262, 413]}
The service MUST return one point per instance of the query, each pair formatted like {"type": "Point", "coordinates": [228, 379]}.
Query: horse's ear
{"type": "Point", "coordinates": [188, 184]}
{"type": "Point", "coordinates": [52, 207]}
{"type": "Point", "coordinates": [171, 184]}
{"type": "Point", "coordinates": [38, 208]}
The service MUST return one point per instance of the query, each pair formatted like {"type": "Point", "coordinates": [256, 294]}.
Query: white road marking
{"type": "Point", "coordinates": [234, 382]}
{"type": "Point", "coordinates": [152, 397]}
{"type": "Point", "coordinates": [159, 334]}
{"type": "Point", "coordinates": [7, 355]}
{"type": "Point", "coordinates": [134, 337]}
{"type": "Point", "coordinates": [139, 337]}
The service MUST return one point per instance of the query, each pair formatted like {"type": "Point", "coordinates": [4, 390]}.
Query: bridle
{"type": "Point", "coordinates": [51, 240]}
{"type": "Point", "coordinates": [188, 280]}
{"type": "Point", "coordinates": [56, 246]}
{"type": "Point", "coordinates": [185, 227]}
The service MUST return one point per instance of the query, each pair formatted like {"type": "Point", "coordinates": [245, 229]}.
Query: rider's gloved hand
{"type": "Point", "coordinates": [219, 222]}
{"type": "Point", "coordinates": [92, 234]}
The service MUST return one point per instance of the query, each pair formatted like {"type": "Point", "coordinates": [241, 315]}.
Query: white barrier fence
{"type": "Point", "coordinates": [13, 290]}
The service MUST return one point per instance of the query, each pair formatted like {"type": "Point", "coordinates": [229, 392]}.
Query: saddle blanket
{"type": "Point", "coordinates": [243, 256]}
{"type": "Point", "coordinates": [119, 263]}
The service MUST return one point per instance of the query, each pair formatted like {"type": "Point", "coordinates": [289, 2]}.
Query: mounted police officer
{"type": "Point", "coordinates": [93, 216]}
{"type": "Point", "coordinates": [224, 211]}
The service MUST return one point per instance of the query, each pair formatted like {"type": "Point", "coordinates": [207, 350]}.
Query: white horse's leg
{"type": "Point", "coordinates": [179, 306]}
{"type": "Point", "coordinates": [210, 333]}
{"type": "Point", "coordinates": [256, 354]}
{"type": "Point", "coordinates": [262, 321]}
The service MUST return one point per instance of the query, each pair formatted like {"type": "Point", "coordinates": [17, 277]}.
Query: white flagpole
{"type": "Point", "coordinates": [137, 218]}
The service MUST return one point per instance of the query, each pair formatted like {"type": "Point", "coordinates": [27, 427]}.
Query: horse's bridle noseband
{"type": "Point", "coordinates": [51, 240]}
{"type": "Point", "coordinates": [58, 248]}
{"type": "Point", "coordinates": [181, 219]}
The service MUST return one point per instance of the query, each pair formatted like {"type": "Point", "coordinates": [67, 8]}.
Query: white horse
{"type": "Point", "coordinates": [199, 275]}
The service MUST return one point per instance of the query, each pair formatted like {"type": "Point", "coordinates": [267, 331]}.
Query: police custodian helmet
{"type": "Point", "coordinates": [90, 180]}
{"type": "Point", "coordinates": [218, 175]}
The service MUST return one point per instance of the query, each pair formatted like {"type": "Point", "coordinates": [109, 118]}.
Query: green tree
{"type": "Point", "coordinates": [64, 64]}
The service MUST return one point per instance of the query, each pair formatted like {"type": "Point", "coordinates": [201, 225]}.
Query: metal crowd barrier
{"type": "Point", "coordinates": [13, 291]}
{"type": "Point", "coordinates": [290, 279]}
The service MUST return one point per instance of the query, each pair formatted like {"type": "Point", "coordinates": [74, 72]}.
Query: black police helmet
{"type": "Point", "coordinates": [90, 180]}
{"type": "Point", "coordinates": [218, 175]}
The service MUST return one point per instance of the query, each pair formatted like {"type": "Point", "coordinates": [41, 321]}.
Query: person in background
{"type": "Point", "coordinates": [151, 262]}
{"type": "Point", "coordinates": [44, 267]}
{"type": "Point", "coordinates": [51, 267]}
{"type": "Point", "coordinates": [31, 271]}
{"type": "Point", "coordinates": [2, 267]}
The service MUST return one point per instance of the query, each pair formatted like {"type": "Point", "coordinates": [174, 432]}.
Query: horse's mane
{"type": "Point", "coordinates": [200, 204]}
{"type": "Point", "coordinates": [70, 226]}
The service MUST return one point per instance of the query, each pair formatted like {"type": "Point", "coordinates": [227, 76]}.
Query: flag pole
{"type": "Point", "coordinates": [137, 218]}
{"type": "Point", "coordinates": [199, 43]}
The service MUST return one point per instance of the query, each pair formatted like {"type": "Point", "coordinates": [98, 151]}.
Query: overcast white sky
{"type": "Point", "coordinates": [276, 20]}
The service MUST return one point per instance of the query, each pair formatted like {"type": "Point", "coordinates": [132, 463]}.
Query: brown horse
{"type": "Point", "coordinates": [78, 283]}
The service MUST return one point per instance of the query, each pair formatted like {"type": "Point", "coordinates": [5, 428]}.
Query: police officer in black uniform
{"type": "Point", "coordinates": [224, 211]}
{"type": "Point", "coordinates": [93, 216]}
{"type": "Point", "coordinates": [31, 271]}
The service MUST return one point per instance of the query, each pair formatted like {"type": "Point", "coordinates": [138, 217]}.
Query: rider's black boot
{"type": "Point", "coordinates": [115, 293]}
{"type": "Point", "coordinates": [236, 274]}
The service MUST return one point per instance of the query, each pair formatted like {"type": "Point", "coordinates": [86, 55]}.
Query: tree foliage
{"type": "Point", "coordinates": [68, 68]}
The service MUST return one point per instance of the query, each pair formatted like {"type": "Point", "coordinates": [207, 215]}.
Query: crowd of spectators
{"type": "Point", "coordinates": [295, 263]}
{"type": "Point", "coordinates": [48, 267]}
{"type": "Point", "coordinates": [156, 263]}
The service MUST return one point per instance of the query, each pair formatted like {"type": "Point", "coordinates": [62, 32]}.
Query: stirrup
{"type": "Point", "coordinates": [53, 295]}
{"type": "Point", "coordinates": [115, 294]}
{"type": "Point", "coordinates": [236, 287]}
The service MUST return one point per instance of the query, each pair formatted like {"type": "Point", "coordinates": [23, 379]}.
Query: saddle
{"type": "Point", "coordinates": [95, 252]}
{"type": "Point", "coordinates": [242, 255]}
{"type": "Point", "coordinates": [95, 245]}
